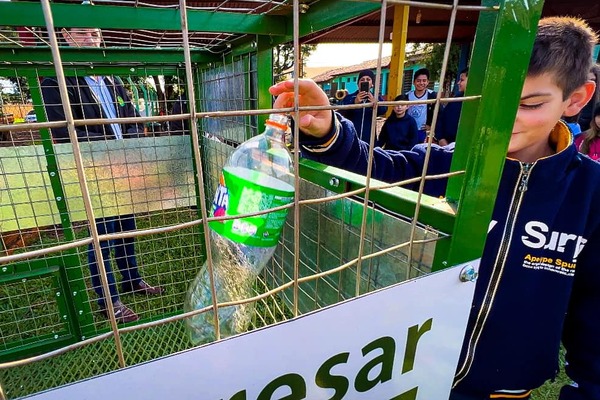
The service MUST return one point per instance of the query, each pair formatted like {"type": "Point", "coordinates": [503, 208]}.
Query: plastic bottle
{"type": "Point", "coordinates": [257, 176]}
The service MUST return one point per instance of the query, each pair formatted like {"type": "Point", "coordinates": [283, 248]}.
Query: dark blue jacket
{"type": "Point", "coordinates": [398, 133]}
{"type": "Point", "coordinates": [362, 117]}
{"type": "Point", "coordinates": [85, 105]}
{"type": "Point", "coordinates": [542, 288]}
{"type": "Point", "coordinates": [447, 122]}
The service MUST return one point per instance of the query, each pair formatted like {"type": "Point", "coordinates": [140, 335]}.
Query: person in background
{"type": "Point", "coordinates": [97, 97]}
{"type": "Point", "coordinates": [422, 113]}
{"type": "Point", "coordinates": [585, 118]}
{"type": "Point", "coordinates": [399, 131]}
{"type": "Point", "coordinates": [573, 125]}
{"type": "Point", "coordinates": [447, 122]}
{"type": "Point", "coordinates": [588, 142]}
{"type": "Point", "coordinates": [526, 301]}
{"type": "Point", "coordinates": [180, 127]}
{"type": "Point", "coordinates": [362, 117]}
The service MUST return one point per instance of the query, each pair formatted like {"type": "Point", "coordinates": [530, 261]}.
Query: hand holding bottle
{"type": "Point", "coordinates": [315, 123]}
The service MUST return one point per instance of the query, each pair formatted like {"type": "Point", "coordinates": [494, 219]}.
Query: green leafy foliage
{"type": "Point", "coordinates": [284, 58]}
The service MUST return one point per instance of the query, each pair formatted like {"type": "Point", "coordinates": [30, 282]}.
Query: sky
{"type": "Point", "coordinates": [343, 55]}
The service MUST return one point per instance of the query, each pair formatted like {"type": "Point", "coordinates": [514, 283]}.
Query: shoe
{"type": "Point", "coordinates": [142, 287]}
{"type": "Point", "coordinates": [123, 314]}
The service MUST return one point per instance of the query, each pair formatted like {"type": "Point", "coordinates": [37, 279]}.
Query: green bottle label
{"type": "Point", "coordinates": [243, 191]}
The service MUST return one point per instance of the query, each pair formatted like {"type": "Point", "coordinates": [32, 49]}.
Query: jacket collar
{"type": "Point", "coordinates": [558, 164]}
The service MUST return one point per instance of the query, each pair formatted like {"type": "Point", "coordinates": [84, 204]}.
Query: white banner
{"type": "Point", "coordinates": [399, 343]}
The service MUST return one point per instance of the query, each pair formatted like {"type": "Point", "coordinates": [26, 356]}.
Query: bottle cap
{"type": "Point", "coordinates": [277, 121]}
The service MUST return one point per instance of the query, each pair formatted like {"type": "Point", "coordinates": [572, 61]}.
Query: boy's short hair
{"type": "Point", "coordinates": [401, 97]}
{"type": "Point", "coordinates": [464, 71]}
{"type": "Point", "coordinates": [563, 47]}
{"type": "Point", "coordinates": [421, 71]}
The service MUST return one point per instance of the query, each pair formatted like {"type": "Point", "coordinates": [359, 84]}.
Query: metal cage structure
{"type": "Point", "coordinates": [198, 73]}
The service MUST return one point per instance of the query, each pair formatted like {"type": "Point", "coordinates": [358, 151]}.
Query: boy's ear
{"type": "Point", "coordinates": [579, 98]}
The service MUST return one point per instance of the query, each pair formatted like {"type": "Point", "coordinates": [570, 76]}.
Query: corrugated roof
{"type": "Point", "coordinates": [370, 64]}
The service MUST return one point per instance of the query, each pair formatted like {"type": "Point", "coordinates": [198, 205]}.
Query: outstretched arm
{"type": "Point", "coordinates": [329, 138]}
{"type": "Point", "coordinates": [317, 123]}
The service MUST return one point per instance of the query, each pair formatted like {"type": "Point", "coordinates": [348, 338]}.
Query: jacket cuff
{"type": "Point", "coordinates": [325, 143]}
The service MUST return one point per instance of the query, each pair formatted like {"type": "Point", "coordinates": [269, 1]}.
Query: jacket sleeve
{"type": "Point", "coordinates": [381, 110]}
{"type": "Point", "coordinates": [441, 124]}
{"type": "Point", "coordinates": [342, 148]}
{"type": "Point", "coordinates": [430, 107]}
{"type": "Point", "coordinates": [383, 135]}
{"type": "Point", "coordinates": [413, 134]}
{"type": "Point", "coordinates": [54, 110]}
{"type": "Point", "coordinates": [581, 335]}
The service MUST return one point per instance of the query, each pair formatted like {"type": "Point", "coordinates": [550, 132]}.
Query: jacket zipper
{"type": "Point", "coordinates": [497, 272]}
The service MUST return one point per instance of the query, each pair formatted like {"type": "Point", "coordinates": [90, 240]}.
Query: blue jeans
{"type": "Point", "coordinates": [124, 256]}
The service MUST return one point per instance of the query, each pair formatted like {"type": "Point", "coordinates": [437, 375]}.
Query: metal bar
{"type": "Point", "coordinates": [264, 75]}
{"type": "Point", "coordinates": [118, 17]}
{"type": "Point", "coordinates": [29, 274]}
{"type": "Point", "coordinates": [81, 174]}
{"type": "Point", "coordinates": [493, 125]}
{"type": "Point", "coordinates": [327, 13]}
{"type": "Point", "coordinates": [479, 62]}
{"type": "Point", "coordinates": [399, 35]}
{"type": "Point", "coordinates": [377, 84]}
{"type": "Point", "coordinates": [40, 70]}
{"type": "Point", "coordinates": [133, 57]}
{"type": "Point", "coordinates": [442, 6]}
{"type": "Point", "coordinates": [434, 212]}
{"type": "Point", "coordinates": [198, 163]}
{"type": "Point", "coordinates": [431, 133]}
{"type": "Point", "coordinates": [297, 56]}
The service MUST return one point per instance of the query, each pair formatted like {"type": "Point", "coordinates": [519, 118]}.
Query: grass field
{"type": "Point", "coordinates": [170, 260]}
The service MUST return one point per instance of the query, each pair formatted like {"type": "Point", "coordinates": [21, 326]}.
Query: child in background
{"type": "Point", "coordinates": [399, 131]}
{"type": "Point", "coordinates": [588, 142]}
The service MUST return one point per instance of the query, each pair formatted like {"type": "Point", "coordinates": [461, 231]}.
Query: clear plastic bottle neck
{"type": "Point", "coordinates": [276, 126]}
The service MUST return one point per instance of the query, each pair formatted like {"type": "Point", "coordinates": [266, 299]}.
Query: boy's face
{"type": "Point", "coordinates": [421, 82]}
{"type": "Point", "coordinates": [541, 107]}
{"type": "Point", "coordinates": [400, 109]}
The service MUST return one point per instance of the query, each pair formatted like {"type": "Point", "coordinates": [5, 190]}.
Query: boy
{"type": "Point", "coordinates": [422, 113]}
{"type": "Point", "coordinates": [399, 131]}
{"type": "Point", "coordinates": [447, 123]}
{"type": "Point", "coordinates": [521, 310]}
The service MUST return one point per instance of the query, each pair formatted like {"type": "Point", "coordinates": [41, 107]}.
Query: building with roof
{"type": "Point", "coordinates": [345, 78]}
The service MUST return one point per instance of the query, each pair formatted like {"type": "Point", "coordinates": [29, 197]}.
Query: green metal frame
{"type": "Point", "coordinates": [481, 147]}
{"type": "Point", "coordinates": [71, 301]}
{"type": "Point", "coordinates": [499, 78]}
{"type": "Point", "coordinates": [71, 278]}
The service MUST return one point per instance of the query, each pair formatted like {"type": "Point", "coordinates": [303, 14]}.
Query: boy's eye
{"type": "Point", "coordinates": [531, 106]}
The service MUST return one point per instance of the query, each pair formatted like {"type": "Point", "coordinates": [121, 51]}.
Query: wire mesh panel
{"type": "Point", "coordinates": [330, 238]}
{"type": "Point", "coordinates": [195, 80]}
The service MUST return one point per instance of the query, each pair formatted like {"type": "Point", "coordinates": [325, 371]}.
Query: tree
{"type": "Point", "coordinates": [434, 55]}
{"type": "Point", "coordinates": [283, 58]}
{"type": "Point", "coordinates": [14, 89]}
